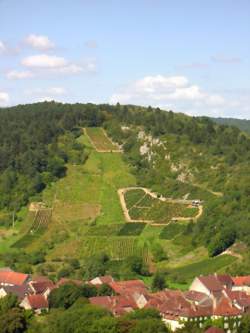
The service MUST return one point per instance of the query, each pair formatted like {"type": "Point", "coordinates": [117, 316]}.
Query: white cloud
{"type": "Point", "coordinates": [39, 42]}
{"type": "Point", "coordinates": [44, 61]}
{"type": "Point", "coordinates": [3, 47]}
{"type": "Point", "coordinates": [17, 75]}
{"type": "Point", "coordinates": [170, 92]}
{"type": "Point", "coordinates": [49, 64]}
{"type": "Point", "coordinates": [50, 91]}
{"type": "Point", "coordinates": [70, 69]}
{"type": "Point", "coordinates": [4, 98]}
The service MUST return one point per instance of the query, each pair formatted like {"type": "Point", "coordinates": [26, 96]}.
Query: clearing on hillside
{"type": "Point", "coordinates": [100, 140]}
{"type": "Point", "coordinates": [141, 205]}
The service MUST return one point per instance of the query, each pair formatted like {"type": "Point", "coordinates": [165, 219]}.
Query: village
{"type": "Point", "coordinates": [209, 297]}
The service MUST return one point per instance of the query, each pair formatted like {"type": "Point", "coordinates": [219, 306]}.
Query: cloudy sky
{"type": "Point", "coordinates": [189, 56]}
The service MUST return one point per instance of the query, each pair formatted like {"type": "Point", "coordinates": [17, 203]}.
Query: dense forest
{"type": "Point", "coordinates": [37, 141]}
{"type": "Point", "coordinates": [242, 124]}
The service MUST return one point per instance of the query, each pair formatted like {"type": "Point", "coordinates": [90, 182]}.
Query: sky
{"type": "Point", "coordinates": [188, 56]}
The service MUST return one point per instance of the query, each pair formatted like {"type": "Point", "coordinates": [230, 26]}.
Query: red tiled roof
{"type": "Point", "coordinates": [211, 282]}
{"type": "Point", "coordinates": [63, 281]}
{"type": "Point", "coordinates": [41, 286]}
{"type": "Point", "coordinates": [118, 305]}
{"type": "Point", "coordinates": [225, 279]}
{"type": "Point", "coordinates": [214, 330]}
{"type": "Point", "coordinates": [106, 279]}
{"type": "Point", "coordinates": [13, 278]}
{"type": "Point", "coordinates": [225, 308]}
{"type": "Point", "coordinates": [242, 280]}
{"type": "Point", "coordinates": [128, 287]}
{"type": "Point", "coordinates": [195, 296]}
{"type": "Point", "coordinates": [19, 291]}
{"type": "Point", "coordinates": [37, 302]}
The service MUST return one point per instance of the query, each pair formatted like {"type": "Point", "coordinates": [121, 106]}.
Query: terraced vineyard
{"type": "Point", "coordinates": [143, 207]}
{"type": "Point", "coordinates": [100, 140]}
{"type": "Point", "coordinates": [40, 221]}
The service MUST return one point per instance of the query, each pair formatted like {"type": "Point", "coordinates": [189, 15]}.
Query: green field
{"type": "Point", "coordinates": [142, 206]}
{"type": "Point", "coordinates": [100, 141]}
{"type": "Point", "coordinates": [87, 219]}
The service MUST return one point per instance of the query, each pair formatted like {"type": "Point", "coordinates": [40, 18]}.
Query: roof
{"type": "Point", "coordinates": [13, 278]}
{"type": "Point", "coordinates": [19, 291]}
{"type": "Point", "coordinates": [211, 282]}
{"type": "Point", "coordinates": [104, 279]}
{"type": "Point", "coordinates": [118, 305]}
{"type": "Point", "coordinates": [41, 286]}
{"type": "Point", "coordinates": [225, 279]}
{"type": "Point", "coordinates": [214, 330]}
{"type": "Point", "coordinates": [63, 281]}
{"type": "Point", "coordinates": [242, 280]}
{"type": "Point", "coordinates": [225, 308]}
{"type": "Point", "coordinates": [37, 302]}
{"type": "Point", "coordinates": [128, 287]}
{"type": "Point", "coordinates": [195, 296]}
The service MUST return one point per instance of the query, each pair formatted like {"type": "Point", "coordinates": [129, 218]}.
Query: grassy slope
{"type": "Point", "coordinates": [94, 185]}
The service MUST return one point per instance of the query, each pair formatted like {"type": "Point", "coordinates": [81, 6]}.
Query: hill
{"type": "Point", "coordinates": [76, 169]}
{"type": "Point", "coordinates": [242, 124]}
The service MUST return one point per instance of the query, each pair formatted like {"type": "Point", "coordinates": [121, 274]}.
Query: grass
{"type": "Point", "coordinates": [100, 141]}
{"type": "Point", "coordinates": [131, 229]}
{"type": "Point", "coordinates": [85, 203]}
{"type": "Point", "coordinates": [143, 207]}
{"type": "Point", "coordinates": [171, 230]}
{"type": "Point", "coordinates": [203, 267]}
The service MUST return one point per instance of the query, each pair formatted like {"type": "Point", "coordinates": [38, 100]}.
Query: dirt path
{"type": "Point", "coordinates": [116, 150]}
{"type": "Point", "coordinates": [122, 191]}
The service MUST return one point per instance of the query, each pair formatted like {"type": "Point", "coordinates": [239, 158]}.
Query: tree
{"type": "Point", "coordinates": [149, 326]}
{"type": "Point", "coordinates": [158, 282]}
{"type": "Point", "coordinates": [245, 325]}
{"type": "Point", "coordinates": [64, 296]}
{"type": "Point", "coordinates": [13, 321]}
{"type": "Point", "coordinates": [8, 302]}
{"type": "Point", "coordinates": [105, 290]}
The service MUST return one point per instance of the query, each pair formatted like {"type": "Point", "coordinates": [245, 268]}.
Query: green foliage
{"type": "Point", "coordinates": [13, 321]}
{"type": "Point", "coordinates": [64, 296]}
{"type": "Point", "coordinates": [171, 230]}
{"type": "Point", "coordinates": [245, 325]}
{"type": "Point", "coordinates": [8, 302]}
{"type": "Point", "coordinates": [159, 281]}
{"type": "Point", "coordinates": [222, 241]}
{"type": "Point", "coordinates": [132, 229]}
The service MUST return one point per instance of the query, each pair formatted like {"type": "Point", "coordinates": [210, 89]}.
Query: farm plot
{"type": "Point", "coordinates": [132, 229]}
{"type": "Point", "coordinates": [117, 248]}
{"type": "Point", "coordinates": [101, 141]}
{"type": "Point", "coordinates": [40, 221]}
{"type": "Point", "coordinates": [143, 206]}
{"type": "Point", "coordinates": [171, 230]}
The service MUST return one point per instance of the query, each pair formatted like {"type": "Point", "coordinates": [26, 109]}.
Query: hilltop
{"type": "Point", "coordinates": [74, 160]}
{"type": "Point", "coordinates": [242, 124]}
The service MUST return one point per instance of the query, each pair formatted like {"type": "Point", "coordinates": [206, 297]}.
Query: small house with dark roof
{"type": "Point", "coordinates": [37, 303]}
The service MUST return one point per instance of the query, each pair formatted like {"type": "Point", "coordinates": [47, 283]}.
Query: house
{"type": "Point", "coordinates": [20, 291]}
{"type": "Point", "coordinates": [37, 303]}
{"type": "Point", "coordinates": [118, 305]}
{"type": "Point", "coordinates": [11, 278]}
{"type": "Point", "coordinates": [242, 283]}
{"type": "Point", "coordinates": [210, 285]}
{"type": "Point", "coordinates": [102, 280]}
{"type": "Point", "coordinates": [41, 287]}
{"type": "Point", "coordinates": [129, 287]}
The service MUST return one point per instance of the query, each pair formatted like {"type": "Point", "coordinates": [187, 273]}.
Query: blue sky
{"type": "Point", "coordinates": [189, 56]}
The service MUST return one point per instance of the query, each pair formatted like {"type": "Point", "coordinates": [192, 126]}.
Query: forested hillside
{"type": "Point", "coordinates": [242, 124]}
{"type": "Point", "coordinates": [172, 154]}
